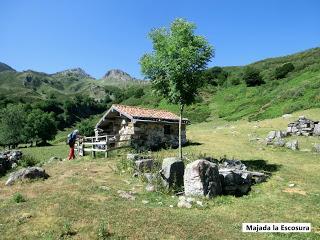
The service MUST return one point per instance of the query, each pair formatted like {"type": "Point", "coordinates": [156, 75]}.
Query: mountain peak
{"type": "Point", "coordinates": [5, 67]}
{"type": "Point", "coordinates": [78, 72]}
{"type": "Point", "coordinates": [117, 74]}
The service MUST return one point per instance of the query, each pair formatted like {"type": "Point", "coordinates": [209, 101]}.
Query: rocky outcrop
{"type": "Point", "coordinates": [27, 173]}
{"type": "Point", "coordinates": [303, 126]}
{"type": "Point", "coordinates": [74, 72]}
{"type": "Point", "coordinates": [172, 172]}
{"type": "Point", "coordinates": [143, 165]}
{"type": "Point", "coordinates": [8, 160]}
{"type": "Point", "coordinates": [293, 145]}
{"type": "Point", "coordinates": [201, 178]}
{"type": "Point", "coordinates": [117, 75]}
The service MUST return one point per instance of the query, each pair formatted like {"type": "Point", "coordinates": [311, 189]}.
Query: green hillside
{"type": "Point", "coordinates": [230, 99]}
{"type": "Point", "coordinates": [297, 91]}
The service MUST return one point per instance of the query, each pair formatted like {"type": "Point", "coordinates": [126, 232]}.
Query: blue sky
{"type": "Point", "coordinates": [51, 36]}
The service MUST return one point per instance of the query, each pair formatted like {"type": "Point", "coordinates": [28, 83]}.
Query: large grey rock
{"type": "Point", "coordinates": [144, 165]}
{"type": "Point", "coordinates": [133, 156]}
{"type": "Point", "coordinates": [279, 142]}
{"type": "Point", "coordinates": [235, 182]}
{"type": "Point", "coordinates": [15, 155]}
{"type": "Point", "coordinates": [27, 173]}
{"type": "Point", "coordinates": [232, 165]}
{"type": "Point", "coordinates": [276, 134]}
{"type": "Point", "coordinates": [316, 130]}
{"type": "Point", "coordinates": [316, 147]}
{"type": "Point", "coordinates": [293, 145]}
{"type": "Point", "coordinates": [172, 171]}
{"type": "Point", "coordinates": [185, 202]}
{"type": "Point", "coordinates": [201, 178]}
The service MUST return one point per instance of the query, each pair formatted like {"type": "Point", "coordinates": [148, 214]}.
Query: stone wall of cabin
{"type": "Point", "coordinates": [152, 135]}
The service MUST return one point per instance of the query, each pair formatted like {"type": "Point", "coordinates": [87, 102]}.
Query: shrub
{"type": "Point", "coordinates": [18, 198]}
{"type": "Point", "coordinates": [27, 161]}
{"type": "Point", "coordinates": [103, 231]}
{"type": "Point", "coordinates": [215, 76]}
{"type": "Point", "coordinates": [282, 71]}
{"type": "Point", "coordinates": [252, 77]}
{"type": "Point", "coordinates": [86, 127]}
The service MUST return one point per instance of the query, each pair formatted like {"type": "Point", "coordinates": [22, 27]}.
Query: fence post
{"type": "Point", "coordinates": [92, 148]}
{"type": "Point", "coordinates": [106, 148]}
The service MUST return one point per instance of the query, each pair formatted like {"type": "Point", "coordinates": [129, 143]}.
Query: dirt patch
{"type": "Point", "coordinates": [295, 190]}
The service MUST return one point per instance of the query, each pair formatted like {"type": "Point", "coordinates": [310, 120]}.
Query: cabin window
{"type": "Point", "coordinates": [167, 129]}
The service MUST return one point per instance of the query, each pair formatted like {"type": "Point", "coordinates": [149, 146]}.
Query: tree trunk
{"type": "Point", "coordinates": [180, 131]}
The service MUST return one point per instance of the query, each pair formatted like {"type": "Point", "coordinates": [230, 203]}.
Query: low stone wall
{"type": "Point", "coordinates": [304, 126]}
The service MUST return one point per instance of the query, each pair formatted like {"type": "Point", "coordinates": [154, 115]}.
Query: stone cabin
{"type": "Point", "coordinates": [145, 128]}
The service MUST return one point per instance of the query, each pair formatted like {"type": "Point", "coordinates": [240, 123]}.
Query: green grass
{"type": "Point", "coordinates": [72, 204]}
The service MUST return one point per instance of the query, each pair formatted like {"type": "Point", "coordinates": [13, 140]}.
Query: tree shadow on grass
{"type": "Point", "coordinates": [191, 143]}
{"type": "Point", "coordinates": [261, 165]}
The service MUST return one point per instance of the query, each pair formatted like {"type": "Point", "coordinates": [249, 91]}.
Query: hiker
{"type": "Point", "coordinates": [71, 141]}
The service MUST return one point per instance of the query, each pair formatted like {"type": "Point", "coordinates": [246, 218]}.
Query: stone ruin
{"type": "Point", "coordinates": [301, 127]}
{"type": "Point", "coordinates": [204, 177]}
{"type": "Point", "coordinates": [304, 127]}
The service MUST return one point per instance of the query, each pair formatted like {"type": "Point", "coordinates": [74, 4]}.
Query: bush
{"type": "Point", "coordinates": [27, 161]}
{"type": "Point", "coordinates": [103, 231]}
{"type": "Point", "coordinates": [215, 76]}
{"type": "Point", "coordinates": [18, 198]}
{"type": "Point", "coordinates": [86, 127]}
{"type": "Point", "coordinates": [252, 77]}
{"type": "Point", "coordinates": [282, 71]}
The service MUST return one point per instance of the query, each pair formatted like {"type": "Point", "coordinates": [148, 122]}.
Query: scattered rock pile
{"type": "Point", "coordinates": [301, 127]}
{"type": "Point", "coordinates": [27, 173]}
{"type": "Point", "coordinates": [304, 126]}
{"type": "Point", "coordinates": [203, 177]}
{"type": "Point", "coordinates": [207, 178]}
{"type": "Point", "coordinates": [8, 160]}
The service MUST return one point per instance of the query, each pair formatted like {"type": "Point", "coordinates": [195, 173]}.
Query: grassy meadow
{"type": "Point", "coordinates": [80, 199]}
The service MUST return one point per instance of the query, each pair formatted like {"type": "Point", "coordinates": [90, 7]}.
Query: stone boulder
{"type": "Point", "coordinates": [316, 130]}
{"type": "Point", "coordinates": [27, 173]}
{"type": "Point", "coordinates": [235, 182]}
{"type": "Point", "coordinates": [279, 142]}
{"type": "Point", "coordinates": [9, 159]}
{"type": "Point", "coordinates": [144, 165]}
{"type": "Point", "coordinates": [232, 165]}
{"type": "Point", "coordinates": [172, 171]}
{"type": "Point", "coordinates": [293, 145]}
{"type": "Point", "coordinates": [201, 178]}
{"type": "Point", "coordinates": [15, 155]}
{"type": "Point", "coordinates": [316, 147]}
{"type": "Point", "coordinates": [54, 159]}
{"type": "Point", "coordinates": [276, 134]}
{"type": "Point", "coordinates": [133, 156]}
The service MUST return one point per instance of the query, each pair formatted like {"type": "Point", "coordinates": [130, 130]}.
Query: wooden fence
{"type": "Point", "coordinates": [104, 144]}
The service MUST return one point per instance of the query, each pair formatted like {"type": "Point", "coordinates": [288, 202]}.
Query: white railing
{"type": "Point", "coordinates": [104, 143]}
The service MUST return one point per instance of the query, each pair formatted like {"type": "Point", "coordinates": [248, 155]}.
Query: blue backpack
{"type": "Point", "coordinates": [69, 138]}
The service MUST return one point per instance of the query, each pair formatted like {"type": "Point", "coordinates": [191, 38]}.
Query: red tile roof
{"type": "Point", "coordinates": [139, 112]}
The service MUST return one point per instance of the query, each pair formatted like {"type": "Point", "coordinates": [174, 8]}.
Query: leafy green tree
{"type": "Point", "coordinates": [215, 76]}
{"type": "Point", "coordinates": [12, 123]}
{"type": "Point", "coordinates": [282, 71]}
{"type": "Point", "coordinates": [252, 77]}
{"type": "Point", "coordinates": [176, 63]}
{"type": "Point", "coordinates": [40, 126]}
{"type": "Point", "coordinates": [86, 127]}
